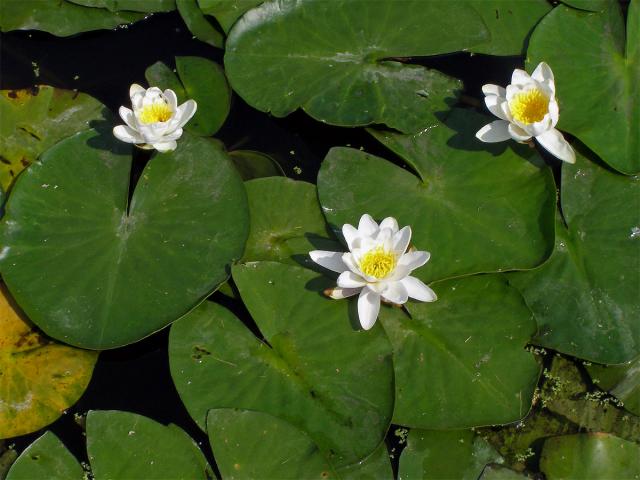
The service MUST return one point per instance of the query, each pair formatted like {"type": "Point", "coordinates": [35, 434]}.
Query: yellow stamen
{"type": "Point", "coordinates": [156, 112]}
{"type": "Point", "coordinates": [378, 263]}
{"type": "Point", "coordinates": [530, 106]}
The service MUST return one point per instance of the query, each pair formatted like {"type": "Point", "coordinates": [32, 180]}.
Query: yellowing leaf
{"type": "Point", "coordinates": [39, 378]}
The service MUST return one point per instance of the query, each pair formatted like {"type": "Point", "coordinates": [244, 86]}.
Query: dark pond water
{"type": "Point", "coordinates": [103, 64]}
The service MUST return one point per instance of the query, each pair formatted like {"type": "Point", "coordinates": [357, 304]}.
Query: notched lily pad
{"type": "Point", "coordinates": [435, 455]}
{"type": "Point", "coordinates": [226, 12]}
{"type": "Point", "coordinates": [91, 268]}
{"type": "Point", "coordinates": [286, 222]}
{"type": "Point", "coordinates": [199, 79]}
{"type": "Point", "coordinates": [585, 297]}
{"type": "Point", "coordinates": [476, 208]}
{"type": "Point", "coordinates": [343, 61]}
{"type": "Point", "coordinates": [126, 445]}
{"type": "Point", "coordinates": [61, 18]}
{"type": "Point", "coordinates": [310, 372]}
{"type": "Point", "coordinates": [461, 362]}
{"type": "Point", "coordinates": [598, 88]}
{"type": "Point", "coordinates": [46, 459]}
{"type": "Point", "coordinates": [39, 378]}
{"type": "Point", "coordinates": [35, 119]}
{"type": "Point", "coordinates": [590, 456]}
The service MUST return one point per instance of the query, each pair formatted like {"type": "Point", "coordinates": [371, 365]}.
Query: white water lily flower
{"type": "Point", "coordinates": [377, 267]}
{"type": "Point", "coordinates": [156, 120]}
{"type": "Point", "coordinates": [527, 108]}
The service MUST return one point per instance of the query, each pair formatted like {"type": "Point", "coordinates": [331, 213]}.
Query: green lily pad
{"type": "Point", "coordinates": [250, 444]}
{"type": "Point", "coordinates": [198, 24]}
{"type": "Point", "coordinates": [585, 298]}
{"type": "Point", "coordinates": [461, 361]}
{"type": "Point", "coordinates": [147, 6]}
{"type": "Point", "coordinates": [342, 61]}
{"type": "Point", "coordinates": [621, 381]}
{"type": "Point", "coordinates": [46, 459]}
{"type": "Point", "coordinates": [40, 378]}
{"type": "Point", "coordinates": [115, 273]}
{"type": "Point", "coordinates": [510, 24]}
{"type": "Point", "coordinates": [227, 12]}
{"type": "Point", "coordinates": [126, 445]}
{"type": "Point", "coordinates": [201, 80]}
{"type": "Point", "coordinates": [216, 362]}
{"type": "Point", "coordinates": [496, 472]}
{"type": "Point", "coordinates": [287, 226]}
{"type": "Point", "coordinates": [34, 120]}
{"type": "Point", "coordinates": [475, 207]}
{"type": "Point", "coordinates": [252, 164]}
{"type": "Point", "coordinates": [375, 467]}
{"type": "Point", "coordinates": [61, 18]}
{"type": "Point", "coordinates": [590, 457]}
{"type": "Point", "coordinates": [598, 89]}
{"type": "Point", "coordinates": [436, 455]}
{"type": "Point", "coordinates": [591, 5]}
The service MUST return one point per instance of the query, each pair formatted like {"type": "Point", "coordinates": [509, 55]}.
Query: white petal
{"type": "Point", "coordinates": [520, 77]}
{"type": "Point", "coordinates": [496, 105]}
{"type": "Point", "coordinates": [554, 112]}
{"type": "Point", "coordinates": [350, 234]}
{"type": "Point", "coordinates": [491, 89]}
{"type": "Point", "coordinates": [172, 100]}
{"type": "Point", "coordinates": [368, 308]}
{"type": "Point", "coordinates": [127, 134]}
{"type": "Point", "coordinates": [367, 225]}
{"type": "Point", "coordinates": [517, 133]}
{"type": "Point", "coordinates": [350, 263]}
{"type": "Point", "coordinates": [553, 141]}
{"type": "Point", "coordinates": [175, 135]}
{"type": "Point", "coordinates": [413, 260]}
{"type": "Point", "coordinates": [152, 95]}
{"type": "Point", "coordinates": [329, 260]}
{"type": "Point", "coordinates": [186, 111]}
{"type": "Point", "coordinates": [338, 293]}
{"type": "Point", "coordinates": [383, 236]}
{"type": "Point", "coordinates": [390, 223]}
{"type": "Point", "coordinates": [495, 131]}
{"type": "Point", "coordinates": [398, 273]}
{"type": "Point", "coordinates": [349, 279]}
{"type": "Point", "coordinates": [395, 293]}
{"type": "Point", "coordinates": [544, 75]}
{"type": "Point", "coordinates": [418, 290]}
{"type": "Point", "coordinates": [401, 240]}
{"type": "Point", "coordinates": [135, 89]}
{"type": "Point", "coordinates": [165, 146]}
{"type": "Point", "coordinates": [129, 118]}
{"type": "Point", "coordinates": [538, 128]}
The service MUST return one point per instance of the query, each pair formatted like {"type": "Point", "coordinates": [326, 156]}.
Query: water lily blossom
{"type": "Point", "coordinates": [377, 266]}
{"type": "Point", "coordinates": [526, 108]}
{"type": "Point", "coordinates": [156, 120]}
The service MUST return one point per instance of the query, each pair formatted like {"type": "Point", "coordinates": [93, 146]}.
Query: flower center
{"type": "Point", "coordinates": [530, 106]}
{"type": "Point", "coordinates": [156, 112]}
{"type": "Point", "coordinates": [377, 263]}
